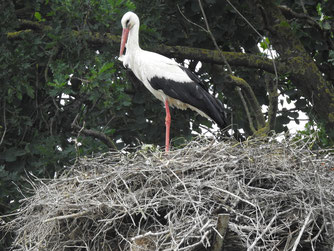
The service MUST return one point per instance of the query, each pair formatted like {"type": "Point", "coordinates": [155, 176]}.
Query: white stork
{"type": "Point", "coordinates": [168, 81]}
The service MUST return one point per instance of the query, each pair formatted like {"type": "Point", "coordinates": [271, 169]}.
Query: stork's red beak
{"type": "Point", "coordinates": [125, 34]}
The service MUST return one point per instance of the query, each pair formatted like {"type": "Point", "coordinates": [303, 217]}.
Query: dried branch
{"type": "Point", "coordinates": [64, 217]}
{"type": "Point", "coordinates": [222, 224]}
{"type": "Point", "coordinates": [251, 247]}
{"type": "Point", "coordinates": [251, 98]}
{"type": "Point", "coordinates": [95, 134]}
{"type": "Point", "coordinates": [244, 103]}
{"type": "Point", "coordinates": [306, 222]}
{"type": "Point", "coordinates": [189, 21]}
{"type": "Point", "coordinates": [272, 88]}
{"type": "Point", "coordinates": [4, 122]}
{"type": "Point", "coordinates": [213, 38]}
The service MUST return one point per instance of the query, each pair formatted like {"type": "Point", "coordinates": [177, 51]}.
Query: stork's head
{"type": "Point", "coordinates": [129, 20]}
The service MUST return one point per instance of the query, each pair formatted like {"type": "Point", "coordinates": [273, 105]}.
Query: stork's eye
{"type": "Point", "coordinates": [127, 22]}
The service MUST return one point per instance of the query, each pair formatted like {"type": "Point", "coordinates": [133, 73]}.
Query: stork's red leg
{"type": "Point", "coordinates": [167, 122]}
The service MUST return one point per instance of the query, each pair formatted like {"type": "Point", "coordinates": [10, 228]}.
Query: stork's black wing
{"type": "Point", "coordinates": [192, 93]}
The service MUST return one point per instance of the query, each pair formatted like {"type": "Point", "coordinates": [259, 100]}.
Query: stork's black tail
{"type": "Point", "coordinates": [211, 106]}
{"type": "Point", "coordinates": [214, 109]}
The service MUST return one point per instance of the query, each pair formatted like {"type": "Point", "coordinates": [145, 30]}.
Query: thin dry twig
{"type": "Point", "coordinates": [306, 222]}
{"type": "Point", "coordinates": [63, 217]}
{"type": "Point", "coordinates": [4, 122]}
{"type": "Point", "coordinates": [208, 30]}
{"type": "Point", "coordinates": [92, 133]}
{"type": "Point", "coordinates": [251, 247]}
{"type": "Point", "coordinates": [250, 120]}
{"type": "Point", "coordinates": [222, 225]}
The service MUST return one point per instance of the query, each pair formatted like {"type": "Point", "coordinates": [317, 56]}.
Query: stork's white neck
{"type": "Point", "coordinates": [133, 39]}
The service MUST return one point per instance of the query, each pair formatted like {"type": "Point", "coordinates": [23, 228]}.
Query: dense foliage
{"type": "Point", "coordinates": [63, 89]}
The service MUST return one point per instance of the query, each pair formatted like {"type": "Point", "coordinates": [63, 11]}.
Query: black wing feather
{"type": "Point", "coordinates": [194, 77]}
{"type": "Point", "coordinates": [194, 94]}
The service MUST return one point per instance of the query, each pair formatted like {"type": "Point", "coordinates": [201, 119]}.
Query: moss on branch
{"type": "Point", "coordinates": [251, 98]}
{"type": "Point", "coordinates": [201, 54]}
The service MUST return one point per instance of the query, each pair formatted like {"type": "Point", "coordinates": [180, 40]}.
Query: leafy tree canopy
{"type": "Point", "coordinates": [64, 94]}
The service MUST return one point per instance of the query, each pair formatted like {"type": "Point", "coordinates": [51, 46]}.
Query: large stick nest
{"type": "Point", "coordinates": [280, 196]}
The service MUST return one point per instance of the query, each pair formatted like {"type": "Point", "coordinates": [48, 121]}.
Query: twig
{"type": "Point", "coordinates": [273, 102]}
{"type": "Point", "coordinates": [232, 194]}
{"type": "Point", "coordinates": [189, 247]}
{"type": "Point", "coordinates": [185, 188]}
{"type": "Point", "coordinates": [207, 30]}
{"type": "Point", "coordinates": [134, 198]}
{"type": "Point", "coordinates": [251, 247]}
{"type": "Point", "coordinates": [302, 231]}
{"type": "Point", "coordinates": [63, 217]}
{"type": "Point", "coordinates": [222, 224]}
{"type": "Point", "coordinates": [4, 121]}
{"type": "Point", "coordinates": [96, 134]}
{"type": "Point", "coordinates": [250, 120]}
{"type": "Point", "coordinates": [305, 16]}
{"type": "Point", "coordinates": [149, 233]}
{"type": "Point", "coordinates": [213, 38]}
{"type": "Point", "coordinates": [188, 20]}
{"type": "Point", "coordinates": [303, 6]}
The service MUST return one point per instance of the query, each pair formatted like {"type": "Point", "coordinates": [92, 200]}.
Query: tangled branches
{"type": "Point", "coordinates": [279, 196]}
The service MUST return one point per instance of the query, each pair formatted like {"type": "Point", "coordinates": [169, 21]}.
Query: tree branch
{"type": "Point", "coordinates": [213, 38]}
{"type": "Point", "coordinates": [249, 117]}
{"type": "Point", "coordinates": [4, 121]}
{"type": "Point", "coordinates": [290, 13]}
{"type": "Point", "coordinates": [273, 102]}
{"type": "Point", "coordinates": [254, 104]}
{"type": "Point", "coordinates": [205, 55]}
{"type": "Point", "coordinates": [221, 229]}
{"type": "Point", "coordinates": [95, 134]}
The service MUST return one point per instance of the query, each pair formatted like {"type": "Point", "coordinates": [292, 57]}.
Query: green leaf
{"type": "Point", "coordinates": [12, 153]}
{"type": "Point", "coordinates": [331, 57]}
{"type": "Point", "coordinates": [126, 103]}
{"type": "Point", "coordinates": [301, 103]}
{"type": "Point", "coordinates": [30, 91]}
{"type": "Point", "coordinates": [294, 115]}
{"type": "Point", "coordinates": [38, 16]}
{"type": "Point", "coordinates": [19, 95]}
{"type": "Point", "coordinates": [106, 67]}
{"type": "Point", "coordinates": [319, 9]}
{"type": "Point", "coordinates": [284, 24]}
{"type": "Point", "coordinates": [265, 44]}
{"type": "Point", "coordinates": [3, 172]}
{"type": "Point", "coordinates": [326, 26]}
